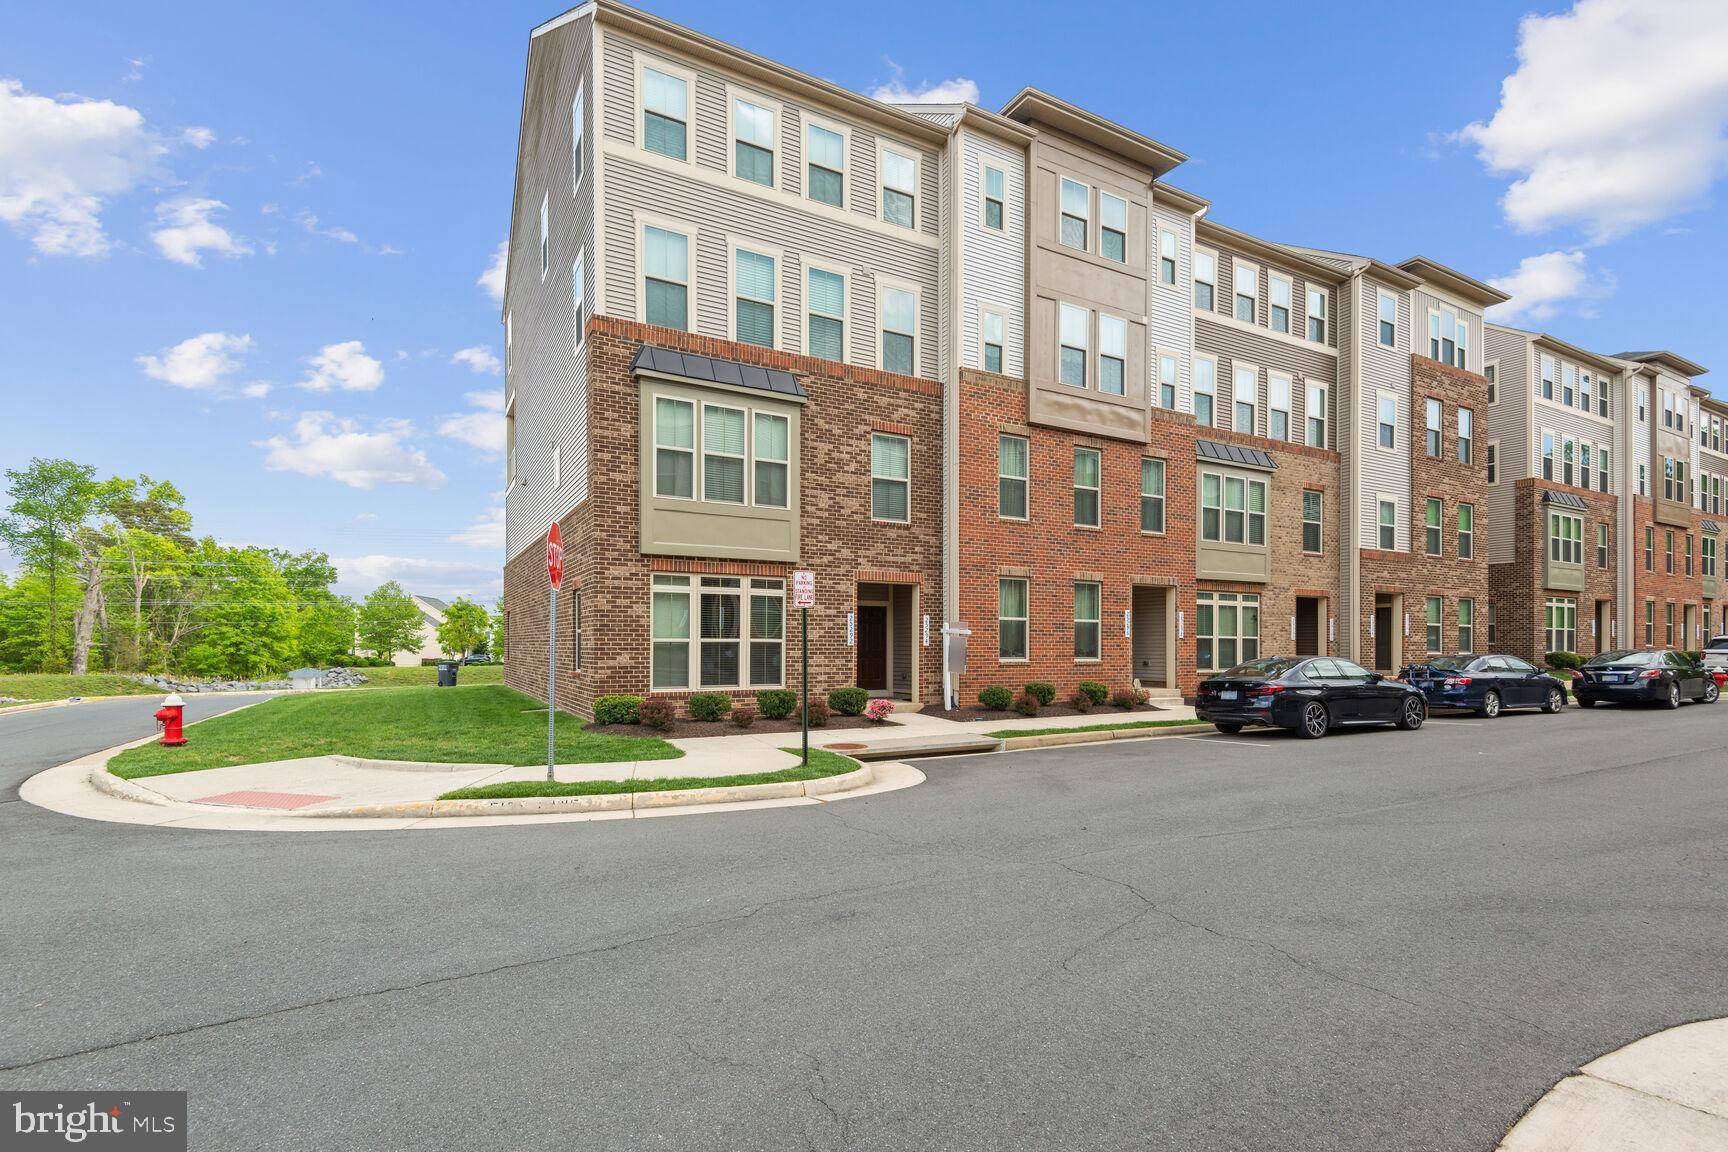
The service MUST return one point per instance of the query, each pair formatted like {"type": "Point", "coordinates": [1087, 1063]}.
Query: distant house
{"type": "Point", "coordinates": [431, 615]}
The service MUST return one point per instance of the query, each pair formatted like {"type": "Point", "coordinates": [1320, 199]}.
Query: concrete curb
{"type": "Point", "coordinates": [1060, 739]}
{"type": "Point", "coordinates": [37, 705]}
{"type": "Point", "coordinates": [412, 765]}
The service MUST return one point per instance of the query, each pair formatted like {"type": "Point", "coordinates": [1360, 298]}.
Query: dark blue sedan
{"type": "Point", "coordinates": [1486, 684]}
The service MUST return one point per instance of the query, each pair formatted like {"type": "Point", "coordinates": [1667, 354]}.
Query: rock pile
{"type": "Point", "coordinates": [333, 678]}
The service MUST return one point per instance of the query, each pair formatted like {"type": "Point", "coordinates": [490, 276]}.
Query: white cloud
{"type": "Point", "coordinates": [360, 574]}
{"type": "Point", "coordinates": [184, 230]}
{"type": "Point", "coordinates": [343, 366]}
{"type": "Point", "coordinates": [323, 446]}
{"type": "Point", "coordinates": [365, 517]}
{"type": "Point", "coordinates": [492, 280]}
{"type": "Point", "coordinates": [1542, 285]}
{"type": "Point", "coordinates": [479, 359]}
{"type": "Point", "coordinates": [309, 171]}
{"type": "Point", "coordinates": [61, 159]}
{"type": "Point", "coordinates": [956, 90]}
{"type": "Point", "coordinates": [199, 138]}
{"type": "Point", "coordinates": [1615, 116]}
{"type": "Point", "coordinates": [487, 530]}
{"type": "Point", "coordinates": [309, 222]}
{"type": "Point", "coordinates": [483, 428]}
{"type": "Point", "coordinates": [134, 70]}
{"type": "Point", "coordinates": [199, 363]}
{"type": "Point", "coordinates": [256, 390]}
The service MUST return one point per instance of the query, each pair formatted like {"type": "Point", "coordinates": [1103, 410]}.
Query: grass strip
{"type": "Point", "coordinates": [822, 764]}
{"type": "Point", "coordinates": [1121, 726]}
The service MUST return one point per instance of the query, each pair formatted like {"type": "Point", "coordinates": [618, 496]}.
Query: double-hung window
{"type": "Point", "coordinates": [1245, 286]}
{"type": "Point", "coordinates": [722, 454]}
{"type": "Point", "coordinates": [1649, 549]}
{"type": "Point", "coordinates": [825, 302]}
{"type": "Point", "coordinates": [1584, 392]}
{"type": "Point", "coordinates": [890, 478]}
{"type": "Point", "coordinates": [899, 330]}
{"type": "Point", "coordinates": [995, 197]}
{"type": "Point", "coordinates": [1315, 414]}
{"type": "Point", "coordinates": [993, 341]}
{"type": "Point", "coordinates": [1561, 620]}
{"type": "Point", "coordinates": [1565, 538]}
{"type": "Point", "coordinates": [1568, 383]}
{"type": "Point", "coordinates": [1278, 406]}
{"type": "Point", "coordinates": [1568, 450]}
{"type": "Point", "coordinates": [825, 165]}
{"type": "Point", "coordinates": [1166, 381]}
{"type": "Point", "coordinates": [577, 131]}
{"type": "Point", "coordinates": [1313, 508]}
{"type": "Point", "coordinates": [1112, 354]}
{"type": "Point", "coordinates": [772, 455]}
{"type": "Point", "coordinates": [1431, 536]}
{"type": "Point", "coordinates": [1466, 531]}
{"type": "Point", "coordinates": [1076, 214]}
{"type": "Point", "coordinates": [1151, 494]}
{"type": "Point", "coordinates": [899, 188]}
{"type": "Point", "coordinates": [579, 300]}
{"type": "Point", "coordinates": [1433, 636]}
{"type": "Point", "coordinates": [1278, 291]}
{"type": "Point", "coordinates": [1316, 314]}
{"type": "Point", "coordinates": [1205, 279]}
{"type": "Point", "coordinates": [1387, 305]}
{"type": "Point", "coordinates": [1546, 386]}
{"type": "Point", "coordinates": [1086, 485]}
{"type": "Point", "coordinates": [1466, 436]}
{"type": "Point", "coordinates": [1112, 227]}
{"type": "Point", "coordinates": [1074, 323]}
{"type": "Point", "coordinates": [1011, 617]}
{"type": "Point", "coordinates": [1388, 525]}
{"type": "Point", "coordinates": [1649, 623]}
{"type": "Point", "coordinates": [1011, 476]}
{"type": "Point", "coordinates": [1547, 455]}
{"type": "Point", "coordinates": [1387, 404]}
{"type": "Point", "coordinates": [1707, 556]}
{"type": "Point", "coordinates": [1601, 545]}
{"type": "Point", "coordinates": [1432, 441]}
{"type": "Point", "coordinates": [1443, 327]}
{"type": "Point", "coordinates": [738, 636]}
{"type": "Point", "coordinates": [753, 276]}
{"type": "Point", "coordinates": [1167, 257]}
{"type": "Point", "coordinates": [1086, 610]}
{"type": "Point", "coordinates": [1245, 394]}
{"type": "Point", "coordinates": [1586, 465]}
{"type": "Point", "coordinates": [545, 235]}
{"type": "Point", "coordinates": [674, 448]}
{"type": "Point", "coordinates": [1602, 397]}
{"type": "Point", "coordinates": [665, 113]}
{"type": "Point", "coordinates": [1226, 629]}
{"type": "Point", "coordinates": [1491, 373]}
{"type": "Point", "coordinates": [1493, 462]}
{"type": "Point", "coordinates": [1205, 390]}
{"type": "Point", "coordinates": [1466, 625]}
{"type": "Point", "coordinates": [1232, 509]}
{"type": "Point", "coordinates": [666, 278]}
{"type": "Point", "coordinates": [1688, 553]}
{"type": "Point", "coordinates": [752, 142]}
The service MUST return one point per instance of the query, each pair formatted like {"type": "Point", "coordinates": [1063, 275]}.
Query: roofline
{"type": "Point", "coordinates": [650, 27]}
{"type": "Point", "coordinates": [1397, 277]}
{"type": "Point", "coordinates": [1674, 360]}
{"type": "Point", "coordinates": [972, 116]}
{"type": "Point", "coordinates": [1269, 250]}
{"type": "Point", "coordinates": [1033, 103]}
{"type": "Point", "coordinates": [1176, 197]}
{"type": "Point", "coordinates": [1596, 359]}
{"type": "Point", "coordinates": [1472, 289]}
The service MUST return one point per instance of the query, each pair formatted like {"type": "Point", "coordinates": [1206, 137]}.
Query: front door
{"type": "Point", "coordinates": [1604, 614]}
{"type": "Point", "coordinates": [873, 647]}
{"type": "Point", "coordinates": [1307, 626]}
{"type": "Point", "coordinates": [1383, 636]}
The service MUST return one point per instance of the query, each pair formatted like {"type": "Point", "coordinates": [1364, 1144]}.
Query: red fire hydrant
{"type": "Point", "coordinates": [169, 717]}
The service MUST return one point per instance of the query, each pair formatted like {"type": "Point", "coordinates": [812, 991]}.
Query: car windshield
{"type": "Point", "coordinates": [1717, 644]}
{"type": "Point", "coordinates": [1269, 668]}
{"type": "Point", "coordinates": [1624, 656]}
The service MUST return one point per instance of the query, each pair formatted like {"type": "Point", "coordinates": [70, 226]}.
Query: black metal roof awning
{"type": "Point", "coordinates": [1565, 500]}
{"type": "Point", "coordinates": [709, 370]}
{"type": "Point", "coordinates": [1234, 454]}
{"type": "Point", "coordinates": [1710, 527]}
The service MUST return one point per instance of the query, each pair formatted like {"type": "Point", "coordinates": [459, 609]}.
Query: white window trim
{"type": "Point", "coordinates": [662, 64]}
{"type": "Point", "coordinates": [579, 135]}
{"type": "Point", "coordinates": [1163, 497]}
{"type": "Point", "coordinates": [844, 271]}
{"type": "Point", "coordinates": [1097, 352]}
{"type": "Point", "coordinates": [1026, 620]}
{"type": "Point", "coordinates": [1097, 490]}
{"type": "Point", "coordinates": [1195, 279]}
{"type": "Point", "coordinates": [1091, 213]}
{"type": "Point", "coordinates": [1379, 395]}
{"type": "Point", "coordinates": [1493, 380]}
{"type": "Point", "coordinates": [545, 234]}
{"type": "Point", "coordinates": [1303, 521]}
{"type": "Point", "coordinates": [1493, 462]}
{"type": "Point", "coordinates": [578, 300]}
{"type": "Point", "coordinates": [734, 245]}
{"type": "Point", "coordinates": [777, 110]}
{"type": "Point", "coordinates": [984, 170]}
{"type": "Point", "coordinates": [1096, 621]}
{"type": "Point", "coordinates": [1237, 367]}
{"type": "Point", "coordinates": [886, 144]}
{"type": "Point", "coordinates": [1236, 266]}
{"type": "Point", "coordinates": [695, 448]}
{"type": "Point", "coordinates": [1381, 294]}
{"type": "Point", "coordinates": [871, 494]}
{"type": "Point", "coordinates": [1127, 210]}
{"type": "Point", "coordinates": [1307, 412]}
{"type": "Point", "coordinates": [1290, 309]}
{"type": "Point", "coordinates": [1159, 355]}
{"type": "Point", "coordinates": [744, 459]}
{"type": "Point", "coordinates": [983, 337]}
{"type": "Point", "coordinates": [1025, 480]}
{"type": "Point", "coordinates": [510, 442]}
{"type": "Point", "coordinates": [645, 221]}
{"type": "Point", "coordinates": [1194, 383]}
{"type": "Point", "coordinates": [1175, 282]}
{"type": "Point", "coordinates": [1397, 520]}
{"type": "Point", "coordinates": [1089, 383]}
{"type": "Point", "coordinates": [883, 283]}
{"type": "Point", "coordinates": [1249, 479]}
{"type": "Point", "coordinates": [1289, 408]}
{"type": "Point", "coordinates": [1325, 316]}
{"type": "Point", "coordinates": [1434, 502]}
{"type": "Point", "coordinates": [692, 589]}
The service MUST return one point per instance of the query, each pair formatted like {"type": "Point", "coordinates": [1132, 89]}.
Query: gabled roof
{"type": "Point", "coordinates": [1351, 262]}
{"type": "Point", "coordinates": [710, 370]}
{"type": "Point", "coordinates": [1672, 361]}
{"type": "Point", "coordinates": [1453, 281]}
{"type": "Point", "coordinates": [1208, 229]}
{"type": "Point", "coordinates": [1570, 351]}
{"type": "Point", "coordinates": [1033, 104]}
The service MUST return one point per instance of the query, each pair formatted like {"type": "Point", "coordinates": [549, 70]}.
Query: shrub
{"type": "Point", "coordinates": [1095, 692]}
{"type": "Point", "coordinates": [879, 710]}
{"type": "Point", "coordinates": [777, 703]}
{"type": "Point", "coordinates": [617, 710]}
{"type": "Point", "coordinates": [744, 717]}
{"type": "Point", "coordinates": [1564, 660]}
{"type": "Point", "coordinates": [1697, 657]}
{"type": "Point", "coordinates": [657, 713]}
{"type": "Point", "coordinates": [1044, 692]}
{"type": "Point", "coordinates": [997, 698]}
{"type": "Point", "coordinates": [1082, 701]}
{"type": "Point", "coordinates": [1027, 704]}
{"type": "Point", "coordinates": [709, 705]}
{"type": "Point", "coordinates": [1125, 698]}
{"type": "Point", "coordinates": [818, 714]}
{"type": "Point", "coordinates": [848, 701]}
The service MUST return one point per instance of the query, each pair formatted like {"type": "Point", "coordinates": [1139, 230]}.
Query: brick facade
{"type": "Point", "coordinates": [1655, 585]}
{"type": "Point", "coordinates": [1520, 595]}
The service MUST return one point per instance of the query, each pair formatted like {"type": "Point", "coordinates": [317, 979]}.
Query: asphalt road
{"type": "Point", "coordinates": [1381, 940]}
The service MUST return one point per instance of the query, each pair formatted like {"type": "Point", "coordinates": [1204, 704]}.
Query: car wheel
{"type": "Point", "coordinates": [1556, 701]}
{"type": "Point", "coordinates": [1710, 692]}
{"type": "Point", "coordinates": [1228, 729]}
{"type": "Point", "coordinates": [1490, 705]}
{"type": "Point", "coordinates": [1673, 700]}
{"type": "Point", "coordinates": [1411, 715]}
{"type": "Point", "coordinates": [1316, 721]}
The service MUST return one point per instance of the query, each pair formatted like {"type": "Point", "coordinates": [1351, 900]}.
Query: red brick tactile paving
{"type": "Point", "coordinates": [287, 801]}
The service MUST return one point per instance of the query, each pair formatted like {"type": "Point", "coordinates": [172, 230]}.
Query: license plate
{"type": "Point", "coordinates": [1612, 678]}
{"type": "Point", "coordinates": [1227, 694]}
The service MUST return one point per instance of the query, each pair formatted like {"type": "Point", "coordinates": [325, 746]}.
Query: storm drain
{"type": "Point", "coordinates": [286, 801]}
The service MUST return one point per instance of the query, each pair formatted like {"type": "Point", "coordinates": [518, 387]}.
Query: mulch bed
{"type": "Point", "coordinates": [1100, 713]}
{"type": "Point", "coordinates": [683, 728]}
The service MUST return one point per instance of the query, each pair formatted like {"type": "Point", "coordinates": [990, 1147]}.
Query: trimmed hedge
{"type": "Point", "coordinates": [848, 701]}
{"type": "Point", "coordinates": [744, 717]}
{"type": "Point", "coordinates": [996, 697]}
{"type": "Point", "coordinates": [709, 705]}
{"type": "Point", "coordinates": [1082, 701]}
{"type": "Point", "coordinates": [1563, 660]}
{"type": "Point", "coordinates": [1044, 692]}
{"type": "Point", "coordinates": [1027, 704]}
{"type": "Point", "coordinates": [776, 703]}
{"type": "Point", "coordinates": [657, 713]}
{"type": "Point", "coordinates": [818, 714]}
{"type": "Point", "coordinates": [1096, 692]}
{"type": "Point", "coordinates": [618, 710]}
{"type": "Point", "coordinates": [1125, 699]}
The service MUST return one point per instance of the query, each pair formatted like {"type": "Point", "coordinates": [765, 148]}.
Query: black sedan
{"type": "Point", "coordinates": [1309, 695]}
{"type": "Point", "coordinates": [1486, 684]}
{"type": "Point", "coordinates": [1651, 675]}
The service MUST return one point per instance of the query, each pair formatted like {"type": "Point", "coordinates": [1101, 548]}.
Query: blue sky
{"type": "Point", "coordinates": [240, 246]}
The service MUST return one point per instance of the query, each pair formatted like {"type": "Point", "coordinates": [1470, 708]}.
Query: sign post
{"type": "Point", "coordinates": [803, 599]}
{"type": "Point", "coordinates": [554, 577]}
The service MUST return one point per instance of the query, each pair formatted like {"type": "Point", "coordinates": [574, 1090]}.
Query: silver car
{"type": "Point", "coordinates": [1716, 654]}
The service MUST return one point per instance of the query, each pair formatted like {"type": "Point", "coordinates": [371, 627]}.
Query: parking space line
{"type": "Point", "coordinates": [1226, 740]}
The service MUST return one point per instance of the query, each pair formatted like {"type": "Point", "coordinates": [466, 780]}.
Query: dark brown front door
{"type": "Point", "coordinates": [1383, 636]}
{"type": "Point", "coordinates": [873, 647]}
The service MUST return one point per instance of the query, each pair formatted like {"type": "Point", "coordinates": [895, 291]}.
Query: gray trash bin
{"type": "Point", "coordinates": [447, 673]}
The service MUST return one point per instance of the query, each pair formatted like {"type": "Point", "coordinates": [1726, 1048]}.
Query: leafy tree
{"type": "Point", "coordinates": [389, 621]}
{"type": "Point", "coordinates": [326, 629]}
{"type": "Point", "coordinates": [247, 623]}
{"type": "Point", "coordinates": [497, 645]}
{"type": "Point", "coordinates": [464, 628]}
{"type": "Point", "coordinates": [50, 501]}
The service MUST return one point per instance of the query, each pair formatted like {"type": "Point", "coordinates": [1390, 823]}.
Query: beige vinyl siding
{"type": "Point", "coordinates": [1508, 423]}
{"type": "Point", "coordinates": [1424, 301]}
{"type": "Point", "coordinates": [548, 378]}
{"type": "Point", "coordinates": [1224, 300]}
{"type": "Point", "coordinates": [1231, 344]}
{"type": "Point", "coordinates": [1171, 311]}
{"type": "Point", "coordinates": [1383, 369]}
{"type": "Point", "coordinates": [993, 264]}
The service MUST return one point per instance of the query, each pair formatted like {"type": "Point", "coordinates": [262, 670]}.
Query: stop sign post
{"type": "Point", "coordinates": [554, 578]}
{"type": "Point", "coordinates": [804, 599]}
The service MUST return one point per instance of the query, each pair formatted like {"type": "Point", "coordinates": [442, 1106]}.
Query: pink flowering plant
{"type": "Point", "coordinates": [879, 710]}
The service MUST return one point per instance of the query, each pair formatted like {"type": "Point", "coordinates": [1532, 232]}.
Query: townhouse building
{"type": "Point", "coordinates": [1024, 406]}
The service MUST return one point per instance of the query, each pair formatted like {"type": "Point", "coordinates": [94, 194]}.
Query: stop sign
{"type": "Point", "coordinates": [555, 557]}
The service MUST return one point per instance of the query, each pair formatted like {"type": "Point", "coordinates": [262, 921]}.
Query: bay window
{"type": "Point", "coordinates": [1226, 629]}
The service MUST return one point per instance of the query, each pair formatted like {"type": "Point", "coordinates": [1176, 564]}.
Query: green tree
{"type": "Point", "coordinates": [50, 501]}
{"type": "Point", "coordinates": [389, 621]}
{"type": "Point", "coordinates": [246, 618]}
{"type": "Point", "coordinates": [326, 630]}
{"type": "Point", "coordinates": [464, 628]}
{"type": "Point", "coordinates": [497, 645]}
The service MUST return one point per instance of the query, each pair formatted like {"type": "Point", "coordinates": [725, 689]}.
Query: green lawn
{"type": "Point", "coordinates": [428, 674]}
{"type": "Point", "coordinates": [1121, 726]}
{"type": "Point", "coordinates": [58, 686]}
{"type": "Point", "coordinates": [484, 724]}
{"type": "Point", "coordinates": [822, 763]}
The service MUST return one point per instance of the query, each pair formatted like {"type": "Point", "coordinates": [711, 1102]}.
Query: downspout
{"type": "Point", "coordinates": [952, 215]}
